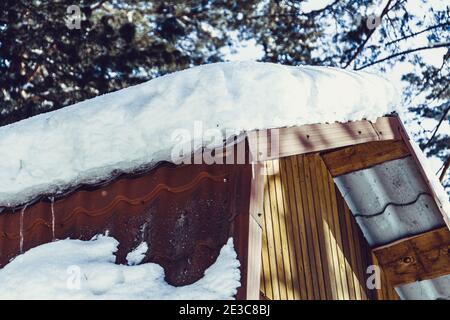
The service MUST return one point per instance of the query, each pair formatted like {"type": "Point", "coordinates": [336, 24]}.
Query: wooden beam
{"type": "Point", "coordinates": [363, 156]}
{"type": "Point", "coordinates": [255, 234]}
{"type": "Point", "coordinates": [431, 180]}
{"type": "Point", "coordinates": [425, 256]}
{"type": "Point", "coordinates": [318, 137]}
{"type": "Point", "coordinates": [388, 128]}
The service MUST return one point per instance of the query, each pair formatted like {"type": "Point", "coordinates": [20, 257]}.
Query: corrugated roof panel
{"type": "Point", "coordinates": [185, 213]}
{"type": "Point", "coordinates": [390, 201]}
{"type": "Point", "coordinates": [438, 288]}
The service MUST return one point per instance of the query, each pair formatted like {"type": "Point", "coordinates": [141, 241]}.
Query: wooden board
{"type": "Point", "coordinates": [363, 156]}
{"type": "Point", "coordinates": [388, 128]}
{"type": "Point", "coordinates": [272, 144]}
{"type": "Point", "coordinates": [421, 257]}
{"type": "Point", "coordinates": [386, 291]}
{"type": "Point", "coordinates": [254, 260]}
{"type": "Point", "coordinates": [255, 234]}
{"type": "Point", "coordinates": [440, 199]}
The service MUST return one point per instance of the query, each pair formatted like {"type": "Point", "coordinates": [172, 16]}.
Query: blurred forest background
{"type": "Point", "coordinates": [48, 62]}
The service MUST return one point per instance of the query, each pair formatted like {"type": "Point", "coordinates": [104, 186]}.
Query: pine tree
{"type": "Point", "coordinates": [45, 65]}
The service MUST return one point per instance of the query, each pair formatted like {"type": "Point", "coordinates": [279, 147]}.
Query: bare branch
{"type": "Point", "coordinates": [444, 115]}
{"type": "Point", "coordinates": [369, 35]}
{"type": "Point", "coordinates": [444, 171]}
{"type": "Point", "coordinates": [435, 46]}
{"type": "Point", "coordinates": [318, 11]}
{"type": "Point", "coordinates": [446, 24]}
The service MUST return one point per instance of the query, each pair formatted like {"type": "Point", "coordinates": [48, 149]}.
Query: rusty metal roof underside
{"type": "Point", "coordinates": [391, 201]}
{"type": "Point", "coordinates": [186, 213]}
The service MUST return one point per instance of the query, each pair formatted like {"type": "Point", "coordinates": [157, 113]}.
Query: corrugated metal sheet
{"type": "Point", "coordinates": [185, 213]}
{"type": "Point", "coordinates": [438, 288]}
{"type": "Point", "coordinates": [391, 201]}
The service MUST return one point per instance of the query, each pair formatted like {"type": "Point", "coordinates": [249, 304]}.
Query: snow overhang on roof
{"type": "Point", "coordinates": [134, 127]}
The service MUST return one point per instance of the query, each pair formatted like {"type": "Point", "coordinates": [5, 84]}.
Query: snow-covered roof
{"type": "Point", "coordinates": [133, 127]}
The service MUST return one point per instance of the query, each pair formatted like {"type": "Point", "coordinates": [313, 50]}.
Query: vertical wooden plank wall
{"type": "Point", "coordinates": [386, 292]}
{"type": "Point", "coordinates": [311, 245]}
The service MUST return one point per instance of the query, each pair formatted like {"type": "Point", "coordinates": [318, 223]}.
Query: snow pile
{"type": "Point", "coordinates": [137, 255]}
{"type": "Point", "coordinates": [129, 128]}
{"type": "Point", "coordinates": [75, 269]}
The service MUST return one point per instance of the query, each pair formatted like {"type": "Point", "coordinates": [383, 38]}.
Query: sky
{"type": "Point", "coordinates": [249, 50]}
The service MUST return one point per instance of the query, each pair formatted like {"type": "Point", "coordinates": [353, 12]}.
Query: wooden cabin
{"type": "Point", "coordinates": [308, 221]}
{"type": "Point", "coordinates": [324, 205]}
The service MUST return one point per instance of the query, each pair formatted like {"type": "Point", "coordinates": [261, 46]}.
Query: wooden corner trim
{"type": "Point", "coordinates": [255, 233]}
{"type": "Point", "coordinates": [423, 172]}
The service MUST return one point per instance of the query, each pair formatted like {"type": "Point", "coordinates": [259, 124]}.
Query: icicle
{"type": "Point", "coordinates": [22, 213]}
{"type": "Point", "coordinates": [143, 227]}
{"type": "Point", "coordinates": [52, 206]}
{"type": "Point", "coordinates": [253, 170]}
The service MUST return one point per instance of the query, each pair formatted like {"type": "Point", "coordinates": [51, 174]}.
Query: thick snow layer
{"type": "Point", "coordinates": [132, 127]}
{"type": "Point", "coordinates": [75, 269]}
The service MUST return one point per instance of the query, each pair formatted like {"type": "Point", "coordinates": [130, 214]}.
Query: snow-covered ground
{"type": "Point", "coordinates": [75, 269]}
{"type": "Point", "coordinates": [132, 127]}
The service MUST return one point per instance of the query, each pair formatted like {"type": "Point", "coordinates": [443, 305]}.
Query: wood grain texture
{"type": "Point", "coordinates": [388, 128]}
{"type": "Point", "coordinates": [421, 257]}
{"type": "Point", "coordinates": [273, 144]}
{"type": "Point", "coordinates": [255, 233]}
{"type": "Point", "coordinates": [254, 260]}
{"type": "Point", "coordinates": [363, 156]}
{"type": "Point", "coordinates": [311, 246]}
{"type": "Point", "coordinates": [386, 291]}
